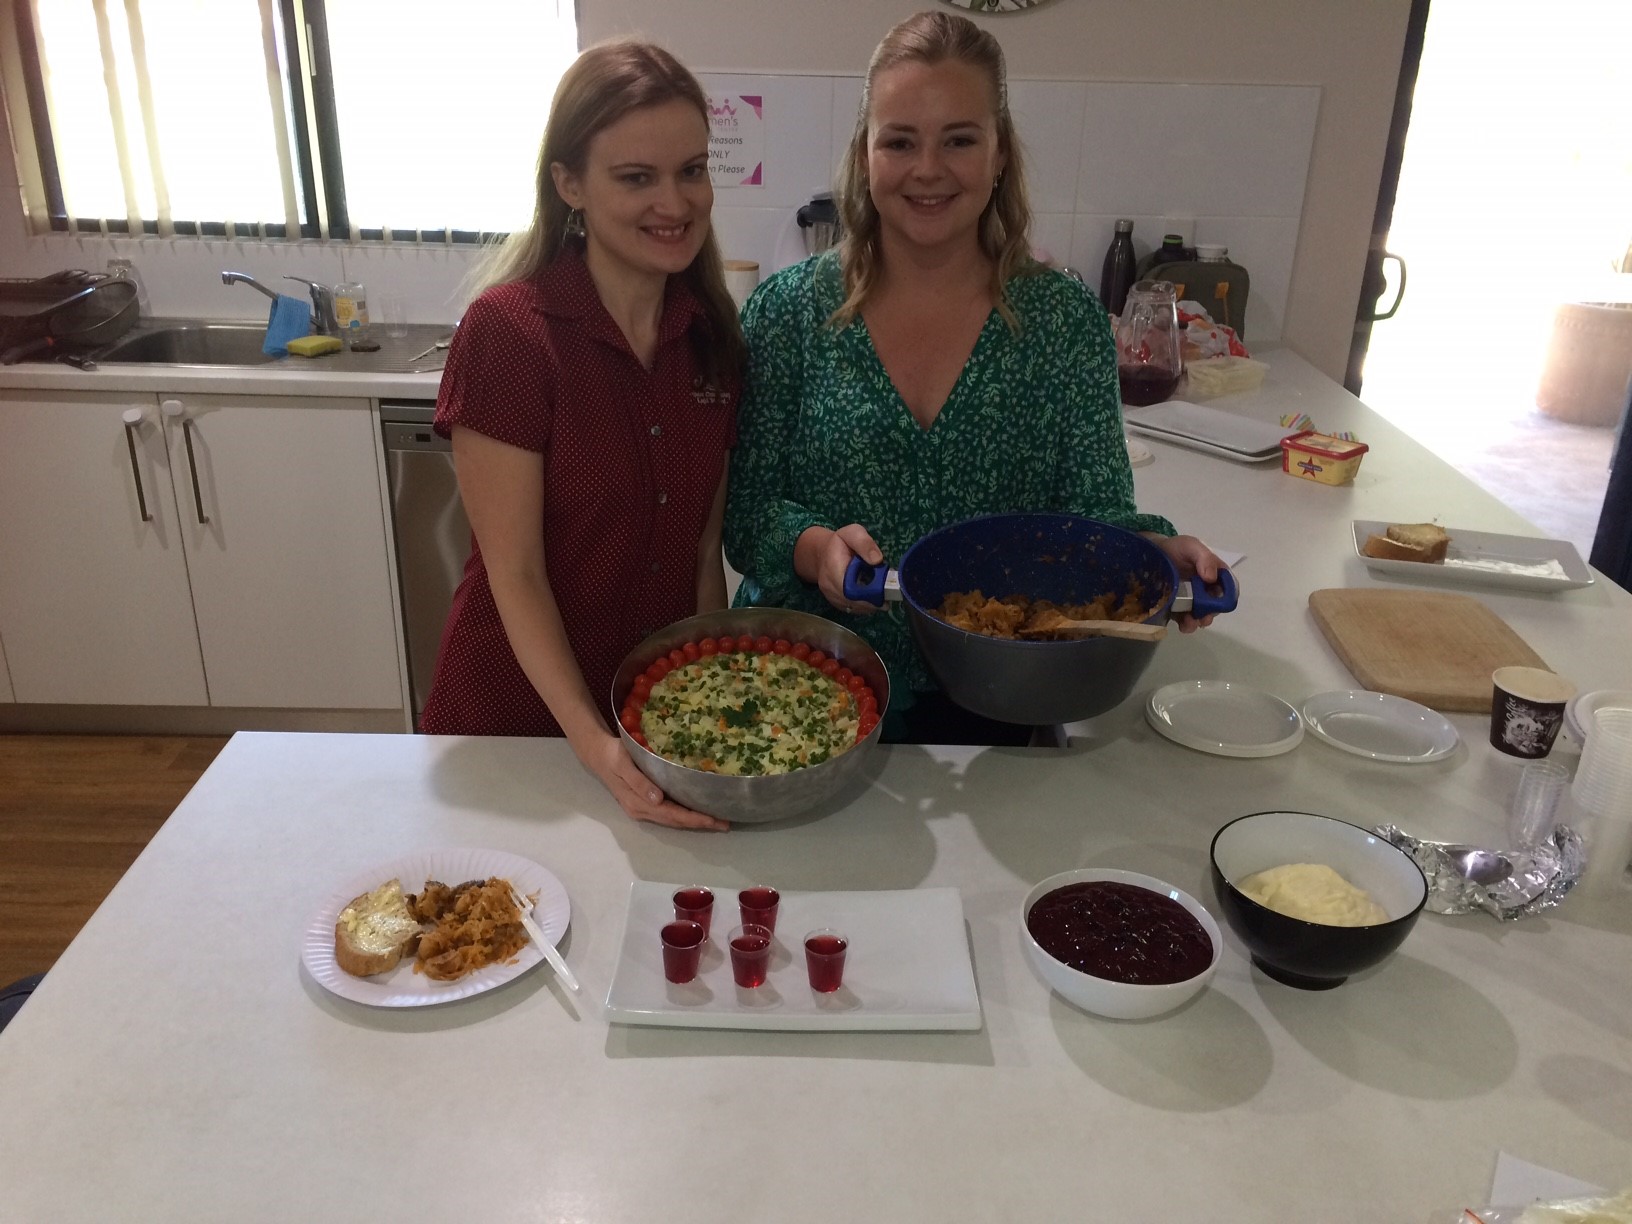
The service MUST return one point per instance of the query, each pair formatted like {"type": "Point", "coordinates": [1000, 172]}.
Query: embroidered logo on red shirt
{"type": "Point", "coordinates": [709, 393]}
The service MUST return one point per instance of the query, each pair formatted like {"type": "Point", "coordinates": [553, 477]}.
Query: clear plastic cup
{"type": "Point", "coordinates": [1603, 780]}
{"type": "Point", "coordinates": [750, 955]}
{"type": "Point", "coordinates": [1535, 802]}
{"type": "Point", "coordinates": [695, 904]}
{"type": "Point", "coordinates": [682, 950]}
{"type": "Point", "coordinates": [758, 906]}
{"type": "Point", "coordinates": [824, 959]}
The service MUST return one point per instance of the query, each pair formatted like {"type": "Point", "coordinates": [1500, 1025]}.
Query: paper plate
{"type": "Point", "coordinates": [1225, 719]}
{"type": "Point", "coordinates": [1380, 726]}
{"type": "Point", "coordinates": [1578, 714]}
{"type": "Point", "coordinates": [402, 987]}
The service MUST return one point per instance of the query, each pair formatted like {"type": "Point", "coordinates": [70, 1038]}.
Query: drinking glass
{"type": "Point", "coordinates": [750, 955]}
{"type": "Point", "coordinates": [695, 904]}
{"type": "Point", "coordinates": [824, 959]}
{"type": "Point", "coordinates": [682, 950]}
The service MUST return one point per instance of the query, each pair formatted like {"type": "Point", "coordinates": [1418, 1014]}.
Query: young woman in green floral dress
{"type": "Point", "coordinates": [927, 371]}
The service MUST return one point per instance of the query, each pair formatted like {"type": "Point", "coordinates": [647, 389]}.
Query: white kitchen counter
{"type": "Point", "coordinates": [178, 1064]}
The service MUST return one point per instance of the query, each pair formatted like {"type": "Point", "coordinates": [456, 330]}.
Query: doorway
{"type": "Point", "coordinates": [1514, 197]}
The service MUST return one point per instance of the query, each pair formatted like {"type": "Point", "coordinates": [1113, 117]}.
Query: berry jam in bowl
{"type": "Point", "coordinates": [1117, 943]}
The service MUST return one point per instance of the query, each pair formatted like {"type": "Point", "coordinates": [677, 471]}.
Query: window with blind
{"type": "Point", "coordinates": [407, 120]}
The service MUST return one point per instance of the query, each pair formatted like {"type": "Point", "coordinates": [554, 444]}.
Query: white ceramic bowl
{"type": "Point", "coordinates": [1102, 996]}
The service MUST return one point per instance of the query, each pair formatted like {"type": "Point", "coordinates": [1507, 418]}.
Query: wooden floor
{"type": "Point", "coordinates": [75, 811]}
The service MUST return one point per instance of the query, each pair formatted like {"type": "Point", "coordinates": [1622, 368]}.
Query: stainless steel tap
{"type": "Point", "coordinates": [324, 322]}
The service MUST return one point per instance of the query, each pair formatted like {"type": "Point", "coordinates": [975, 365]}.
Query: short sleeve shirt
{"type": "Point", "coordinates": [632, 459]}
{"type": "Point", "coordinates": [1034, 423]}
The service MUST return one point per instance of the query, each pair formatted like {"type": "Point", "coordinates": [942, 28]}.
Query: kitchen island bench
{"type": "Point", "coordinates": [178, 1063]}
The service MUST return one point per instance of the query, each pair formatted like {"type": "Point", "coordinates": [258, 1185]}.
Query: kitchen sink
{"type": "Point", "coordinates": [205, 342]}
{"type": "Point", "coordinates": [228, 344]}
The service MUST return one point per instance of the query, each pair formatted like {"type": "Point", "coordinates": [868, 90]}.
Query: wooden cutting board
{"type": "Point", "coordinates": [1430, 647]}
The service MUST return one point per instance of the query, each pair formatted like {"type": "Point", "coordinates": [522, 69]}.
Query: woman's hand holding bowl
{"type": "Point", "coordinates": [1194, 561]}
{"type": "Point", "coordinates": [822, 556]}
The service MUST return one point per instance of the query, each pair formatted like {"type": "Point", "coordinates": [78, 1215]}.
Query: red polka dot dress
{"type": "Point", "coordinates": [632, 459]}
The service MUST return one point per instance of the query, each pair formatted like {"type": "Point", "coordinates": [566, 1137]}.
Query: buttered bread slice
{"type": "Point", "coordinates": [375, 931]}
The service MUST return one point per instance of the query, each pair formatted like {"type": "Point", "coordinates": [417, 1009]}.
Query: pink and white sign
{"type": "Point", "coordinates": [736, 140]}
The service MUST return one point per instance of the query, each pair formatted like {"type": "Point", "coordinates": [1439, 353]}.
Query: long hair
{"type": "Point", "coordinates": [934, 38]}
{"type": "Point", "coordinates": [604, 84]}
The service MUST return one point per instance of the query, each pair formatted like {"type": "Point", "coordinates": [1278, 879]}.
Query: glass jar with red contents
{"type": "Point", "coordinates": [1148, 363]}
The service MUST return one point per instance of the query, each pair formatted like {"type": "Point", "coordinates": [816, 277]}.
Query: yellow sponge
{"type": "Point", "coordinates": [314, 346]}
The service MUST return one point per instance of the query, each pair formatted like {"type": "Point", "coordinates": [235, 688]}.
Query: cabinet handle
{"type": "Point", "coordinates": [174, 408]}
{"type": "Point", "coordinates": [133, 421]}
{"type": "Point", "coordinates": [192, 465]}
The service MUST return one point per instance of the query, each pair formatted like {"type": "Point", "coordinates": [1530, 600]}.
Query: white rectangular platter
{"type": "Point", "coordinates": [1484, 558]}
{"type": "Point", "coordinates": [907, 967]}
{"type": "Point", "coordinates": [1212, 430]}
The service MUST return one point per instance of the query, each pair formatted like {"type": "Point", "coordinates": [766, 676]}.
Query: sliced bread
{"type": "Point", "coordinates": [1426, 542]}
{"type": "Point", "coordinates": [375, 931]}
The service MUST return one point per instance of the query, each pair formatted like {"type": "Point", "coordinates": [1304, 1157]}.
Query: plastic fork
{"type": "Point", "coordinates": [544, 945]}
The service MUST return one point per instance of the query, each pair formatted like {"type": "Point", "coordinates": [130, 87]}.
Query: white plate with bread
{"type": "Point", "coordinates": [398, 984]}
{"type": "Point", "coordinates": [1428, 552]}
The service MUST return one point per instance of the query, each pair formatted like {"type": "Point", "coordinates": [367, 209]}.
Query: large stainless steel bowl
{"type": "Point", "coordinates": [771, 796]}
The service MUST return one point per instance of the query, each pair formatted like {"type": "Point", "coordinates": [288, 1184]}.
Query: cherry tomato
{"type": "Point", "coordinates": [843, 676]}
{"type": "Point", "coordinates": [640, 739]}
{"type": "Point", "coordinates": [630, 720]}
{"type": "Point", "coordinates": [801, 650]}
{"type": "Point", "coordinates": [856, 684]}
{"type": "Point", "coordinates": [691, 651]}
{"type": "Point", "coordinates": [782, 646]}
{"type": "Point", "coordinates": [745, 643]}
{"type": "Point", "coordinates": [762, 645]}
{"type": "Point", "coordinates": [866, 705]}
{"type": "Point", "coordinates": [829, 667]}
{"type": "Point", "coordinates": [866, 725]}
{"type": "Point", "coordinates": [815, 659]}
{"type": "Point", "coordinates": [707, 647]}
{"type": "Point", "coordinates": [636, 701]}
{"type": "Point", "coordinates": [659, 668]}
{"type": "Point", "coordinates": [677, 658]}
{"type": "Point", "coordinates": [643, 686]}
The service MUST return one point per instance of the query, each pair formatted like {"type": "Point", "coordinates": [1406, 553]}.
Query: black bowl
{"type": "Point", "coordinates": [1313, 955]}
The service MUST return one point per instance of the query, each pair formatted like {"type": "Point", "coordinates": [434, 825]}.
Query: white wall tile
{"type": "Point", "coordinates": [798, 140]}
{"type": "Point", "coordinates": [1264, 246]}
{"type": "Point", "coordinates": [1193, 150]}
{"type": "Point", "coordinates": [429, 280]}
{"type": "Point", "coordinates": [1048, 119]}
{"type": "Point", "coordinates": [768, 236]}
{"type": "Point", "coordinates": [1051, 232]}
{"type": "Point", "coordinates": [846, 106]}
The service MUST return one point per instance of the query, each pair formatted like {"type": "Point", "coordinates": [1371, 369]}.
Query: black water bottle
{"type": "Point", "coordinates": [1117, 277]}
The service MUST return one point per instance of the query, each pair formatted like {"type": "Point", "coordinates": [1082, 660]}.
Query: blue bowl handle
{"type": "Point", "coordinates": [1201, 602]}
{"type": "Point", "coordinates": [869, 583]}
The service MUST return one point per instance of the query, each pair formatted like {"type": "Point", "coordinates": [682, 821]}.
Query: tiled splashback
{"type": "Point", "coordinates": [1221, 163]}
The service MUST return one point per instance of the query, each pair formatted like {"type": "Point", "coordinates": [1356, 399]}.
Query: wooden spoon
{"type": "Point", "coordinates": [1133, 630]}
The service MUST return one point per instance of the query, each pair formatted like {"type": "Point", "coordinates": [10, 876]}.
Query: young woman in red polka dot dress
{"type": "Point", "coordinates": [591, 397]}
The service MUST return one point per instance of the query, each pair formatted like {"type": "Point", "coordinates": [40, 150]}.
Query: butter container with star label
{"type": "Point", "coordinates": [1320, 457]}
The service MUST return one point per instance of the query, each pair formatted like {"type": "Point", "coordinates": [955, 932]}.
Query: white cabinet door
{"type": "Point", "coordinates": [286, 544]}
{"type": "Point", "coordinates": [94, 602]}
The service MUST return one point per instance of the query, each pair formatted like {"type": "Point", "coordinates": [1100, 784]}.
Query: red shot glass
{"type": "Point", "coordinates": [750, 955]}
{"type": "Point", "coordinates": [682, 948]}
{"type": "Point", "coordinates": [758, 906]}
{"type": "Point", "coordinates": [695, 905]}
{"type": "Point", "coordinates": [824, 959]}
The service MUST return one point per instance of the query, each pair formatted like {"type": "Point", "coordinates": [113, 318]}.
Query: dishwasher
{"type": "Point", "coordinates": [431, 532]}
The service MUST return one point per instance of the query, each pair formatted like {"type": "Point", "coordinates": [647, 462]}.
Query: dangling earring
{"type": "Point", "coordinates": [573, 227]}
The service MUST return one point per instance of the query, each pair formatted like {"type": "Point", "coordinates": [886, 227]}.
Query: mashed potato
{"type": "Point", "coordinates": [1314, 893]}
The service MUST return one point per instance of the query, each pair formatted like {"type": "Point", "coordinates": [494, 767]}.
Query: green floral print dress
{"type": "Point", "coordinates": [1033, 423]}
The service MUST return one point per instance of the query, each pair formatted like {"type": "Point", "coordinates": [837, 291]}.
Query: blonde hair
{"type": "Point", "coordinates": [604, 84]}
{"type": "Point", "coordinates": [934, 38]}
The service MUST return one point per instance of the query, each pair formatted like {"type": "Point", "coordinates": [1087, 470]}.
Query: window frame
{"type": "Point", "coordinates": [313, 121]}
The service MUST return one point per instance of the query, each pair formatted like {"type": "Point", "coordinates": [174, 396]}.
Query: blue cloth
{"type": "Point", "coordinates": [291, 319]}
